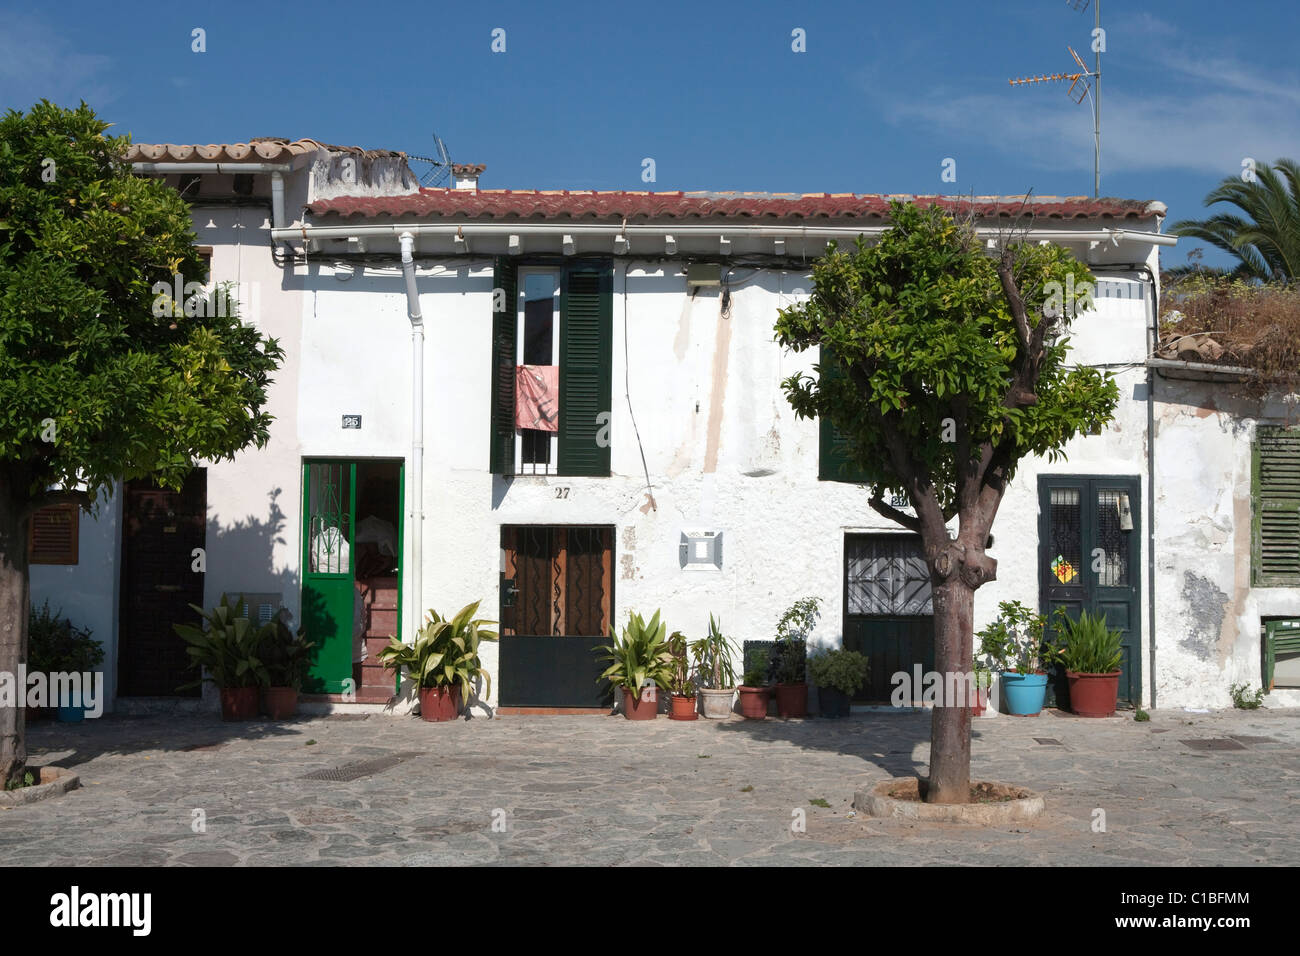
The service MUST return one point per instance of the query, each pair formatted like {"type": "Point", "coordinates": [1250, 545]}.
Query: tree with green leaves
{"type": "Point", "coordinates": [1265, 238]}
{"type": "Point", "coordinates": [103, 376]}
{"type": "Point", "coordinates": [944, 367]}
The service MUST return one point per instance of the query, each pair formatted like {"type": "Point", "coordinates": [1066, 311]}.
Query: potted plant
{"type": "Point", "coordinates": [640, 663]}
{"type": "Point", "coordinates": [1015, 643]}
{"type": "Point", "coordinates": [788, 661]}
{"type": "Point", "coordinates": [712, 655]}
{"type": "Point", "coordinates": [753, 686]}
{"type": "Point", "coordinates": [1091, 654]}
{"type": "Point", "coordinates": [838, 674]}
{"type": "Point", "coordinates": [286, 656]}
{"type": "Point", "coordinates": [226, 654]}
{"type": "Point", "coordinates": [443, 661]}
{"type": "Point", "coordinates": [55, 645]}
{"type": "Point", "coordinates": [982, 680]}
{"type": "Point", "coordinates": [680, 685]}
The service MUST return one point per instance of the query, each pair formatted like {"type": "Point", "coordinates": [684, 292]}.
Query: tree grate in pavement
{"type": "Point", "coordinates": [365, 768]}
{"type": "Point", "coordinates": [1213, 743]}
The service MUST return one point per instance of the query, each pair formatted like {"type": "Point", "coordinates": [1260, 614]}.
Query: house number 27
{"type": "Point", "coordinates": [562, 492]}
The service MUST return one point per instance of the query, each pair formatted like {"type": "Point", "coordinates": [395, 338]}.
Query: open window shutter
{"type": "Point", "coordinates": [52, 535]}
{"type": "Point", "coordinates": [833, 448]}
{"type": "Point", "coordinates": [586, 352]}
{"type": "Point", "coordinates": [501, 456]}
{"type": "Point", "coordinates": [1277, 506]}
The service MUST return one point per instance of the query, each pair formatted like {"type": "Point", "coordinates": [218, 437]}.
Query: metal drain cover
{"type": "Point", "coordinates": [1213, 743]}
{"type": "Point", "coordinates": [365, 768]}
{"type": "Point", "coordinates": [1049, 742]}
{"type": "Point", "coordinates": [347, 716]}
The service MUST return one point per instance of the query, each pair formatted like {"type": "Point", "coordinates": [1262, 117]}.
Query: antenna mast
{"type": "Point", "coordinates": [1086, 82]}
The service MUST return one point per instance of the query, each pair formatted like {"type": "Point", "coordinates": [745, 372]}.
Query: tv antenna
{"type": "Point", "coordinates": [1084, 83]}
{"type": "Point", "coordinates": [439, 167]}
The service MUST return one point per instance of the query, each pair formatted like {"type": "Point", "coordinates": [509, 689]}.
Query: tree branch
{"type": "Point", "coordinates": [910, 522]}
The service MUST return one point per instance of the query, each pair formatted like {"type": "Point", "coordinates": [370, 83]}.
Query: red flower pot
{"type": "Point", "coordinates": [683, 708]}
{"type": "Point", "coordinates": [792, 700]}
{"type": "Point", "coordinates": [753, 702]}
{"type": "Point", "coordinates": [440, 703]}
{"type": "Point", "coordinates": [239, 703]}
{"type": "Point", "coordinates": [981, 701]}
{"type": "Point", "coordinates": [640, 706]}
{"type": "Point", "coordinates": [1093, 695]}
{"type": "Point", "coordinates": [280, 703]}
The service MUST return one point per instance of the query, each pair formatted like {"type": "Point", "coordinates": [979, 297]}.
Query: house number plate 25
{"type": "Point", "coordinates": [351, 421]}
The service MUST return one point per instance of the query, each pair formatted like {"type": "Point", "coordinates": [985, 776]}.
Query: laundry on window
{"type": "Point", "coordinates": [537, 397]}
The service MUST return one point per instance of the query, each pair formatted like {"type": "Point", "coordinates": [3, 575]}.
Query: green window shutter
{"type": "Point", "coordinates": [586, 353]}
{"type": "Point", "coordinates": [501, 455]}
{"type": "Point", "coordinates": [1276, 531]}
{"type": "Point", "coordinates": [833, 448]}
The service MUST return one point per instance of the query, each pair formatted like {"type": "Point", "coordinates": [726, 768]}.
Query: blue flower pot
{"type": "Point", "coordinates": [1023, 694]}
{"type": "Point", "coordinates": [74, 712]}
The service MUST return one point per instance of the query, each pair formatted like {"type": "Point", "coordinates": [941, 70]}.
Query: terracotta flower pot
{"type": "Point", "coordinates": [440, 703]}
{"type": "Point", "coordinates": [717, 702]}
{"type": "Point", "coordinates": [753, 702]}
{"type": "Point", "coordinates": [640, 706]}
{"type": "Point", "coordinates": [683, 708]}
{"type": "Point", "coordinates": [280, 703]}
{"type": "Point", "coordinates": [981, 702]}
{"type": "Point", "coordinates": [239, 703]}
{"type": "Point", "coordinates": [792, 700]}
{"type": "Point", "coordinates": [1093, 695]}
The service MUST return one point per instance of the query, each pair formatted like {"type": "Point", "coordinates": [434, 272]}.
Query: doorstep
{"type": "Point", "coordinates": [552, 711]}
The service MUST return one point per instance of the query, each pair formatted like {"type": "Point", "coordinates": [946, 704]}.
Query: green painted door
{"type": "Point", "coordinates": [1088, 559]}
{"type": "Point", "coordinates": [888, 610]}
{"type": "Point", "coordinates": [328, 592]}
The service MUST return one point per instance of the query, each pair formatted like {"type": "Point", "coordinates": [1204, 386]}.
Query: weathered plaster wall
{"type": "Point", "coordinates": [1207, 611]}
{"type": "Point", "coordinates": [723, 448]}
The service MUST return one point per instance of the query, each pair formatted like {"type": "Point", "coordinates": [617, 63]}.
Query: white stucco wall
{"type": "Point", "coordinates": [1208, 612]}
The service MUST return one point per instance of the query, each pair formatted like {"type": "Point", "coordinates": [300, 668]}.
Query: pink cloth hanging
{"type": "Point", "coordinates": [537, 397]}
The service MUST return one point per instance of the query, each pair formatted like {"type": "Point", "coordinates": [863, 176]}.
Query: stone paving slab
{"type": "Point", "coordinates": [600, 791]}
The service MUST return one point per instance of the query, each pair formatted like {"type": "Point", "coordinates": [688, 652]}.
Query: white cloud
{"type": "Point", "coordinates": [36, 63]}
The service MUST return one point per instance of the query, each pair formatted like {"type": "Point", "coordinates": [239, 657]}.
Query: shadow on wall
{"type": "Point", "coordinates": [241, 558]}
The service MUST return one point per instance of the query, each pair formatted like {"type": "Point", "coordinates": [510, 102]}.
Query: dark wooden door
{"type": "Point", "coordinates": [557, 598]}
{"type": "Point", "coordinates": [1088, 559]}
{"type": "Point", "coordinates": [888, 612]}
{"type": "Point", "coordinates": [161, 530]}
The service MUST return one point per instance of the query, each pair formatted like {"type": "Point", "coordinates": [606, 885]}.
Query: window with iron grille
{"type": "Point", "coordinates": [1276, 507]}
{"type": "Point", "coordinates": [556, 317]}
{"type": "Point", "coordinates": [886, 575]}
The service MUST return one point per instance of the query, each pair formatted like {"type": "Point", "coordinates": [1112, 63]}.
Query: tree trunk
{"type": "Point", "coordinates": [954, 621]}
{"type": "Point", "coordinates": [14, 609]}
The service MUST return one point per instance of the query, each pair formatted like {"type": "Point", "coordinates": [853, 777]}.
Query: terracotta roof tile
{"type": "Point", "coordinates": [513, 204]}
{"type": "Point", "coordinates": [262, 150]}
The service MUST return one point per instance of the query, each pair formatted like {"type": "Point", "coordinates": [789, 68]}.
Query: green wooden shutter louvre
{"type": "Point", "coordinates": [586, 353]}
{"type": "Point", "coordinates": [501, 457]}
{"type": "Point", "coordinates": [1277, 506]}
{"type": "Point", "coordinates": [833, 462]}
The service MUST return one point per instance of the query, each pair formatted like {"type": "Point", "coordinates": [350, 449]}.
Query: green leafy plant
{"type": "Point", "coordinates": [445, 652]}
{"type": "Point", "coordinates": [1015, 641]}
{"type": "Point", "coordinates": [680, 682]}
{"type": "Point", "coordinates": [1141, 715]}
{"type": "Point", "coordinates": [845, 671]}
{"type": "Point", "coordinates": [1089, 646]}
{"type": "Point", "coordinates": [788, 662]}
{"type": "Point", "coordinates": [225, 652]}
{"type": "Point", "coordinates": [756, 674]}
{"type": "Point", "coordinates": [28, 780]}
{"type": "Point", "coordinates": [713, 662]}
{"type": "Point", "coordinates": [983, 676]}
{"type": "Point", "coordinates": [1243, 698]}
{"type": "Point", "coordinates": [286, 655]}
{"type": "Point", "coordinates": [56, 645]}
{"type": "Point", "coordinates": [640, 657]}
{"type": "Point", "coordinates": [819, 802]}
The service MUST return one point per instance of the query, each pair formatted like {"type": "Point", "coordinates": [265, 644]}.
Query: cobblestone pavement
{"type": "Point", "coordinates": [604, 790]}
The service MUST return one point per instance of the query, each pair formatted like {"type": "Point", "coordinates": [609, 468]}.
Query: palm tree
{"type": "Point", "coordinates": [1267, 239]}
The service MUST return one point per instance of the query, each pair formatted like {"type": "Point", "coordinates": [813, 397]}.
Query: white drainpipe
{"type": "Point", "coordinates": [277, 171]}
{"type": "Point", "coordinates": [415, 594]}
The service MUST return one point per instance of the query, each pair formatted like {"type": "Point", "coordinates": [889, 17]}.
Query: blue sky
{"type": "Point", "coordinates": [712, 92]}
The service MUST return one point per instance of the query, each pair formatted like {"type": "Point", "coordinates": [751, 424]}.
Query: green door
{"type": "Point", "coordinates": [1088, 559]}
{"type": "Point", "coordinates": [888, 610]}
{"type": "Point", "coordinates": [328, 592]}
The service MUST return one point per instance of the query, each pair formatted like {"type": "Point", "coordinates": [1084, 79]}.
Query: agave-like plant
{"type": "Point", "coordinates": [445, 651]}
{"type": "Point", "coordinates": [227, 649]}
{"type": "Point", "coordinates": [641, 657]}
{"type": "Point", "coordinates": [713, 658]}
{"type": "Point", "coordinates": [1090, 646]}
